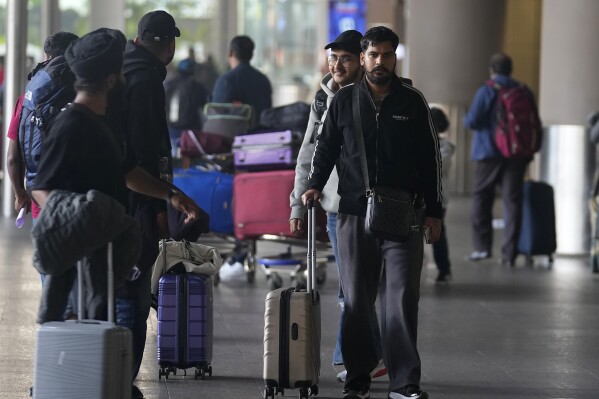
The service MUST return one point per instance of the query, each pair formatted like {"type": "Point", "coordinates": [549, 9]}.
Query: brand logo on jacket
{"type": "Point", "coordinates": [401, 117]}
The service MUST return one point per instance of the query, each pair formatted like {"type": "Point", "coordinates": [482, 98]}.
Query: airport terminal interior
{"type": "Point", "coordinates": [525, 332]}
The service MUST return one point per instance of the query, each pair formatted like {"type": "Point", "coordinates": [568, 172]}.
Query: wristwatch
{"type": "Point", "coordinates": [172, 193]}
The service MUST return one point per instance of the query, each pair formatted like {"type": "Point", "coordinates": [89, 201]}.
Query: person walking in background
{"type": "Point", "coordinates": [493, 169]}
{"type": "Point", "coordinates": [144, 122]}
{"type": "Point", "coordinates": [344, 69]}
{"type": "Point", "coordinates": [370, 266]}
{"type": "Point", "coordinates": [243, 83]}
{"type": "Point", "coordinates": [185, 99]}
{"type": "Point", "coordinates": [447, 148]}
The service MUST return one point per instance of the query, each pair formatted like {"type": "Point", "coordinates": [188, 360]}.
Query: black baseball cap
{"type": "Point", "coordinates": [348, 41]}
{"type": "Point", "coordinates": [157, 25]}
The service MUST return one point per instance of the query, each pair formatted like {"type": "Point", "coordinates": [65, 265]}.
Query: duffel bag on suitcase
{"type": "Point", "coordinates": [292, 333]}
{"type": "Point", "coordinates": [265, 151]}
{"type": "Point", "coordinates": [212, 191]}
{"type": "Point", "coordinates": [227, 119]}
{"type": "Point", "coordinates": [89, 359]}
{"type": "Point", "coordinates": [292, 116]}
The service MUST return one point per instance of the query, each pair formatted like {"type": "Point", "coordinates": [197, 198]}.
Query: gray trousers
{"type": "Point", "coordinates": [509, 175]}
{"type": "Point", "coordinates": [370, 266]}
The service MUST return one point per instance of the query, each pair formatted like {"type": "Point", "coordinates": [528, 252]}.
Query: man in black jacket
{"type": "Point", "coordinates": [144, 122]}
{"type": "Point", "coordinates": [402, 151]}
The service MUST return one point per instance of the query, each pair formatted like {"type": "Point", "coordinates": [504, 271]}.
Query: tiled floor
{"type": "Point", "coordinates": [523, 333]}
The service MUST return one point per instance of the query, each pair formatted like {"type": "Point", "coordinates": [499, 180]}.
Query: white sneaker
{"type": "Point", "coordinates": [379, 371]}
{"type": "Point", "coordinates": [231, 272]}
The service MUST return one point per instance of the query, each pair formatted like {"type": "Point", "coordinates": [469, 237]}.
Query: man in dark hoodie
{"type": "Point", "coordinates": [143, 119]}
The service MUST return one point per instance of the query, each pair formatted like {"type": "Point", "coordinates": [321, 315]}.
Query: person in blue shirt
{"type": "Point", "coordinates": [492, 169]}
{"type": "Point", "coordinates": [243, 83]}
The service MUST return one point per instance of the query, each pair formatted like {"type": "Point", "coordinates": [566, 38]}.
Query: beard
{"type": "Point", "coordinates": [379, 80]}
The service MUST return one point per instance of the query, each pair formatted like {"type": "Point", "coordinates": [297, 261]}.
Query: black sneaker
{"type": "Point", "coordinates": [356, 389]}
{"type": "Point", "coordinates": [136, 393]}
{"type": "Point", "coordinates": [443, 277]}
{"type": "Point", "coordinates": [408, 392]}
{"type": "Point", "coordinates": [349, 393]}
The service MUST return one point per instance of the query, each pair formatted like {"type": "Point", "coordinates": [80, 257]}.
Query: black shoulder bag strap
{"type": "Point", "coordinates": [360, 135]}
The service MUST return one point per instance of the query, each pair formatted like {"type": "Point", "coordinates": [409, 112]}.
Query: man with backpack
{"type": "Point", "coordinates": [49, 89]}
{"type": "Point", "coordinates": [507, 133]}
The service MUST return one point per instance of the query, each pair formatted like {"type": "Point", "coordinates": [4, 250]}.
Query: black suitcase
{"type": "Point", "coordinates": [537, 233]}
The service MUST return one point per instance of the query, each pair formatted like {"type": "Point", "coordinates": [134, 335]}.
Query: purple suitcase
{"type": "Point", "coordinates": [265, 151]}
{"type": "Point", "coordinates": [185, 324]}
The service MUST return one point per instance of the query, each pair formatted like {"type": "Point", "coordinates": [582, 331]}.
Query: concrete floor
{"type": "Point", "coordinates": [493, 332]}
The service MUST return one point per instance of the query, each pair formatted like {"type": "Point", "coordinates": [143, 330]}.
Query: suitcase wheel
{"type": "Point", "coordinates": [249, 265]}
{"type": "Point", "coordinates": [269, 393]}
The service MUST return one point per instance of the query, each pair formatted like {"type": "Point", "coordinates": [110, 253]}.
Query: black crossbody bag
{"type": "Point", "coordinates": [390, 211]}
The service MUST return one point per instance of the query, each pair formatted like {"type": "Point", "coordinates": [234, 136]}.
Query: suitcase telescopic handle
{"type": "Point", "coordinates": [81, 288]}
{"type": "Point", "coordinates": [311, 255]}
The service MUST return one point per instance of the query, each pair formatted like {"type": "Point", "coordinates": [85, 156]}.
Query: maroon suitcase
{"type": "Point", "coordinates": [261, 205]}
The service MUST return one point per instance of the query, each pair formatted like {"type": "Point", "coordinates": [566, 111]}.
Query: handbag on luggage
{"type": "Point", "coordinates": [89, 359]}
{"type": "Point", "coordinates": [292, 332]}
{"type": "Point", "coordinates": [212, 191]}
{"type": "Point", "coordinates": [185, 324]}
{"type": "Point", "coordinates": [265, 151]}
{"type": "Point", "coordinates": [268, 210]}
{"type": "Point", "coordinates": [227, 119]}
{"type": "Point", "coordinates": [537, 233]}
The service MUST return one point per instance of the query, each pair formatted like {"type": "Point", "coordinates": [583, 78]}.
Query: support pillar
{"type": "Point", "coordinates": [16, 41]}
{"type": "Point", "coordinates": [569, 56]}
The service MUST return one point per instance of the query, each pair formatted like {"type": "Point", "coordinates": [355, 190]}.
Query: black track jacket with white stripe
{"type": "Point", "coordinates": [402, 147]}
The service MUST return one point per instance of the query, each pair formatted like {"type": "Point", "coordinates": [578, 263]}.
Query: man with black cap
{"type": "Point", "coordinates": [243, 83]}
{"type": "Point", "coordinates": [344, 69]}
{"type": "Point", "coordinates": [80, 155]}
{"type": "Point", "coordinates": [83, 152]}
{"type": "Point", "coordinates": [144, 122]}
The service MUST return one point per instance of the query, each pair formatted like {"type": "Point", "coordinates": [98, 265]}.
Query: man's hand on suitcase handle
{"type": "Point", "coordinates": [311, 194]}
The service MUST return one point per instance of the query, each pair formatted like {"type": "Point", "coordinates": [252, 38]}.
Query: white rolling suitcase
{"type": "Point", "coordinates": [88, 359]}
{"type": "Point", "coordinates": [292, 333]}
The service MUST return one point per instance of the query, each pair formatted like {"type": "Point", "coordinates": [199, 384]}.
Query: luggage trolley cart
{"type": "Point", "coordinates": [213, 191]}
{"type": "Point", "coordinates": [293, 264]}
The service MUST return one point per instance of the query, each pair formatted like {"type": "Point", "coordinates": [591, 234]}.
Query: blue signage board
{"type": "Point", "coordinates": [345, 15]}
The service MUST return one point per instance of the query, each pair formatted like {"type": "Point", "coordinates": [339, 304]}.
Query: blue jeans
{"type": "Point", "coordinates": [133, 311]}
{"type": "Point", "coordinates": [376, 332]}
